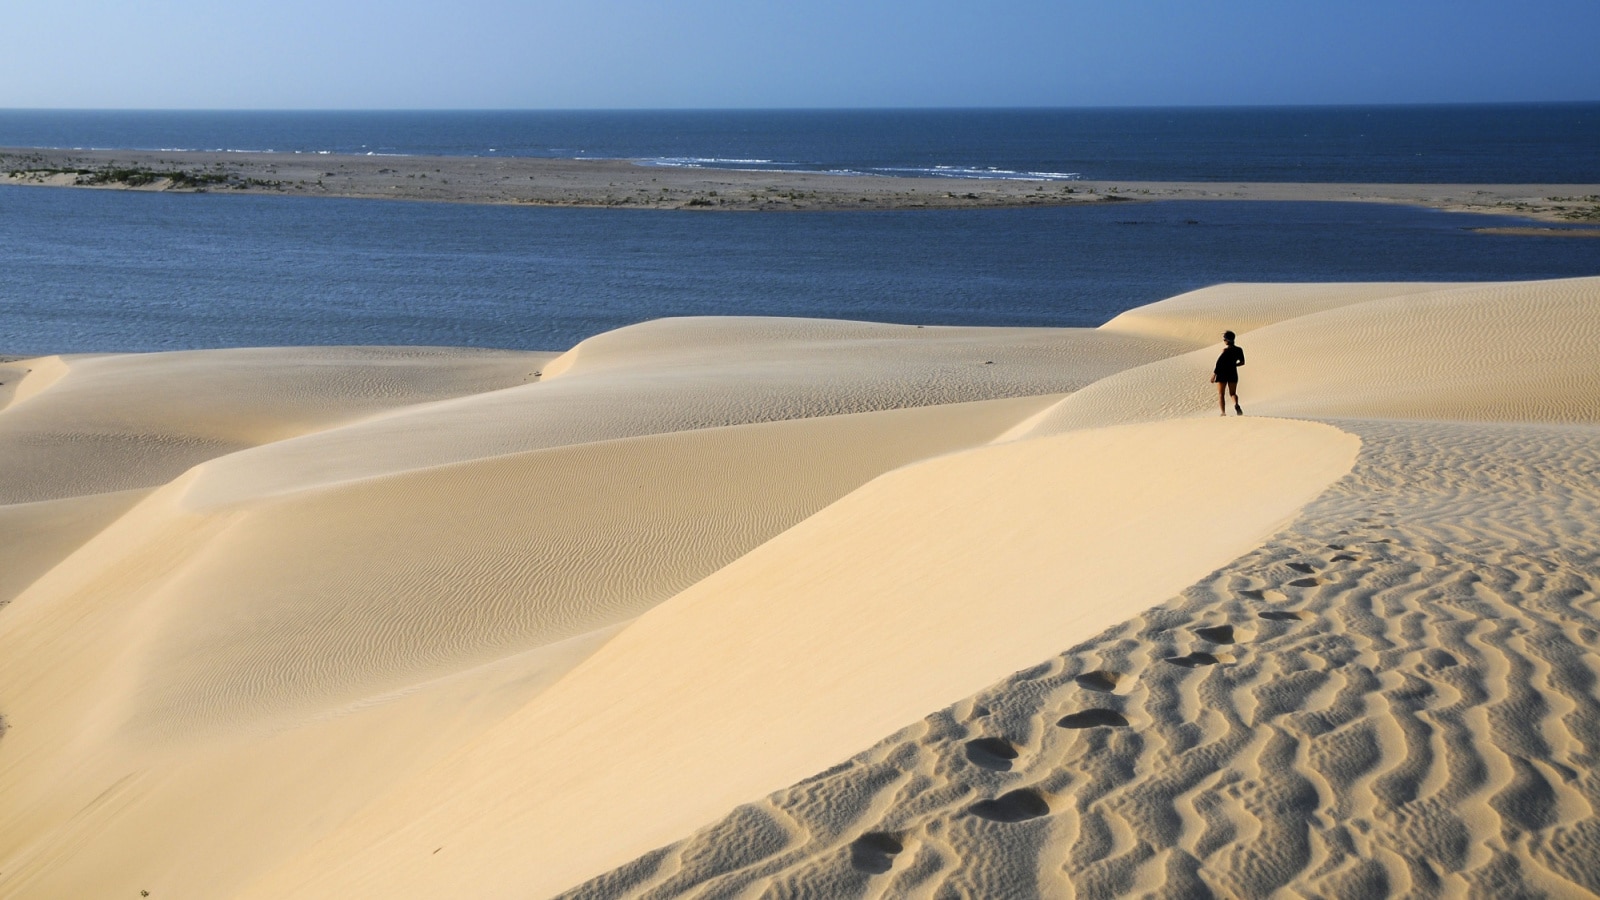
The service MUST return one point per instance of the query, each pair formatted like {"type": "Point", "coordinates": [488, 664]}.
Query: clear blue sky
{"type": "Point", "coordinates": [540, 54]}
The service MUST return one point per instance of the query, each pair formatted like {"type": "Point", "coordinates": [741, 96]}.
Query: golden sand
{"type": "Point", "coordinates": [802, 607]}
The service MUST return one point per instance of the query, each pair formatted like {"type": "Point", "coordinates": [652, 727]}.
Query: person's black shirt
{"type": "Point", "coordinates": [1228, 363]}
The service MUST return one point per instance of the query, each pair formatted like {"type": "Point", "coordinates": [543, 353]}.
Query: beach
{"type": "Point", "coordinates": [808, 607]}
{"type": "Point", "coordinates": [626, 184]}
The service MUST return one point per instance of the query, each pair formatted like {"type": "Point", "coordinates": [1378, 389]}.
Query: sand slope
{"type": "Point", "coordinates": [636, 619]}
{"type": "Point", "coordinates": [1199, 317]}
{"type": "Point", "coordinates": [1519, 352]}
{"type": "Point", "coordinates": [678, 375]}
{"type": "Point", "coordinates": [926, 583]}
{"type": "Point", "coordinates": [1392, 697]}
{"type": "Point", "coordinates": [377, 536]}
{"type": "Point", "coordinates": [83, 425]}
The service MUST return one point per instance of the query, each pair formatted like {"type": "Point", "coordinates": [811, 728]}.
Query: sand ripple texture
{"type": "Point", "coordinates": [1520, 351]}
{"type": "Point", "coordinates": [339, 564]}
{"type": "Point", "coordinates": [1395, 696]}
{"type": "Point", "coordinates": [677, 375]}
{"type": "Point", "coordinates": [479, 559]}
{"type": "Point", "coordinates": [1200, 317]}
{"type": "Point", "coordinates": [71, 426]}
{"type": "Point", "coordinates": [360, 622]}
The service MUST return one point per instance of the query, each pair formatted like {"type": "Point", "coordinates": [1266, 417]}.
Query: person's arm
{"type": "Point", "coordinates": [1240, 354]}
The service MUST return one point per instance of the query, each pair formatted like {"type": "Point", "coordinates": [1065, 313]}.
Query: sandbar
{"type": "Point", "coordinates": [619, 183]}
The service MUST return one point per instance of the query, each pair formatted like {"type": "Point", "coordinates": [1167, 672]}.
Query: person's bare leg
{"type": "Point", "coordinates": [1233, 388]}
{"type": "Point", "coordinates": [1222, 397]}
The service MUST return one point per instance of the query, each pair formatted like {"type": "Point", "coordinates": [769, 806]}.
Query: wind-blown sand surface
{"type": "Point", "coordinates": [741, 607]}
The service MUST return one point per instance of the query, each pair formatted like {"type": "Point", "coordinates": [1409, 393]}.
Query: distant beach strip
{"type": "Point", "coordinates": [631, 184]}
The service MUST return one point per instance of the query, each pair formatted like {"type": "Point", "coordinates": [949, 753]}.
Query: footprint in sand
{"type": "Point", "coordinates": [991, 753]}
{"type": "Point", "coordinates": [874, 852]}
{"type": "Point", "coordinates": [1015, 806]}
{"type": "Point", "coordinates": [1216, 634]}
{"type": "Point", "coordinates": [1303, 568]}
{"type": "Point", "coordinates": [1305, 582]}
{"type": "Point", "coordinates": [1194, 660]}
{"type": "Point", "coordinates": [1253, 594]}
{"type": "Point", "coordinates": [1342, 557]}
{"type": "Point", "coordinates": [1282, 615]}
{"type": "Point", "coordinates": [1101, 681]}
{"type": "Point", "coordinates": [1093, 718]}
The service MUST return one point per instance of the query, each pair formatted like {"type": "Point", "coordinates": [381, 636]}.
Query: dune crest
{"type": "Point", "coordinates": [1519, 352]}
{"type": "Point", "coordinates": [321, 555]}
{"type": "Point", "coordinates": [1391, 697]}
{"type": "Point", "coordinates": [1199, 317]}
{"type": "Point", "coordinates": [744, 606]}
{"type": "Point", "coordinates": [928, 582]}
{"type": "Point", "coordinates": [27, 378]}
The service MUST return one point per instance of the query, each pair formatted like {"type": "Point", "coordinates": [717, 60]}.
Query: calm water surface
{"type": "Point", "coordinates": [104, 270]}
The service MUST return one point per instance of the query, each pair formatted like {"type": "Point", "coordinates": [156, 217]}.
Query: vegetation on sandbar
{"type": "Point", "coordinates": [127, 176]}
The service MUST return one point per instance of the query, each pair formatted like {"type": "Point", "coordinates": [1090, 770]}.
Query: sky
{"type": "Point", "coordinates": [635, 54]}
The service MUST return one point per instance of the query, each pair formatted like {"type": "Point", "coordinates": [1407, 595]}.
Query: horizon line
{"type": "Point", "coordinates": [729, 109]}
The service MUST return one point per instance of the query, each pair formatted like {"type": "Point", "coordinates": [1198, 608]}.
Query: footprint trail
{"type": "Point", "coordinates": [1398, 695]}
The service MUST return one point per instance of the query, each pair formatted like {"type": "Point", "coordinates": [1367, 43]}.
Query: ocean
{"type": "Point", "coordinates": [91, 271]}
{"type": "Point", "coordinates": [1556, 143]}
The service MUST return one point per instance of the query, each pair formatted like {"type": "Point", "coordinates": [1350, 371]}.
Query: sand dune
{"type": "Point", "coordinates": [40, 535]}
{"type": "Point", "coordinates": [476, 560]}
{"type": "Point", "coordinates": [93, 424]}
{"type": "Point", "coordinates": [1519, 352]}
{"type": "Point", "coordinates": [277, 591]}
{"type": "Point", "coordinates": [928, 582]}
{"type": "Point", "coordinates": [1392, 697]}
{"type": "Point", "coordinates": [666, 614]}
{"type": "Point", "coordinates": [1199, 317]}
{"type": "Point", "coordinates": [685, 374]}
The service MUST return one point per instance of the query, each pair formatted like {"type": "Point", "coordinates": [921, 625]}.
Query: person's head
{"type": "Point", "coordinates": [1227, 337]}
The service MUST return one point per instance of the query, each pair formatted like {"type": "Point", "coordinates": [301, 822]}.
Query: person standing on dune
{"type": "Point", "coordinates": [1226, 374]}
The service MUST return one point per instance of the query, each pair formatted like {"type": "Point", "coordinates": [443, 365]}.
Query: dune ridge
{"type": "Point", "coordinates": [336, 543]}
{"type": "Point", "coordinates": [1519, 352]}
{"type": "Point", "coordinates": [952, 569]}
{"type": "Point", "coordinates": [635, 619]}
{"type": "Point", "coordinates": [1392, 697]}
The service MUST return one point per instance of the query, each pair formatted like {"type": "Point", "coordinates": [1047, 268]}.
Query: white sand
{"type": "Point", "coordinates": [376, 622]}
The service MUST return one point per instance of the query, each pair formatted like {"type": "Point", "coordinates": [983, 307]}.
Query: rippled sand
{"type": "Point", "coordinates": [718, 607]}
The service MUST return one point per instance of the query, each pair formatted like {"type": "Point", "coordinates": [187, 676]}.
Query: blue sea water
{"type": "Point", "coordinates": [102, 271]}
{"type": "Point", "coordinates": [109, 270]}
{"type": "Point", "coordinates": [1509, 143]}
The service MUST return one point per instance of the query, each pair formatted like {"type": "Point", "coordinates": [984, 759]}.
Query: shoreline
{"type": "Point", "coordinates": [616, 183]}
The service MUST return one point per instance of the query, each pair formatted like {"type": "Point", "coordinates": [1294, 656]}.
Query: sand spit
{"type": "Point", "coordinates": [666, 614]}
{"type": "Point", "coordinates": [626, 184]}
{"type": "Point", "coordinates": [1543, 232]}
